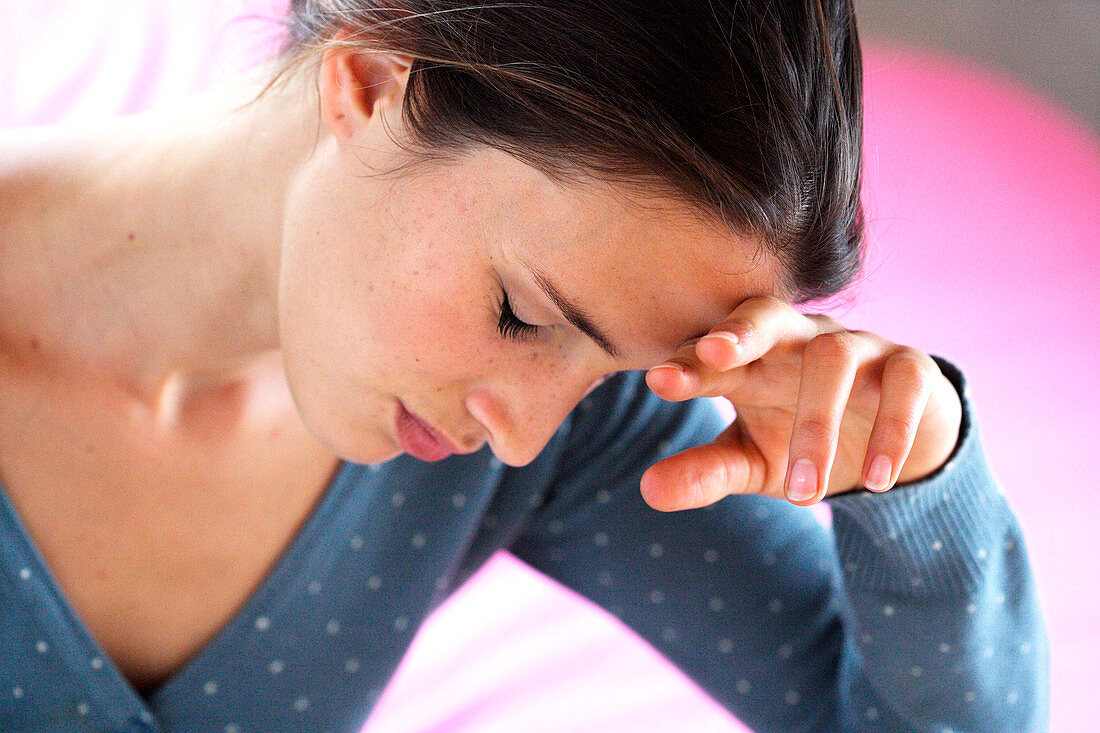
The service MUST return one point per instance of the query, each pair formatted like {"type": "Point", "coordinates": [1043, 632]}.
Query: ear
{"type": "Point", "coordinates": [354, 85]}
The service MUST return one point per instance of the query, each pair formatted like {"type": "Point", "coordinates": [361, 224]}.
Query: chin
{"type": "Point", "coordinates": [361, 448]}
{"type": "Point", "coordinates": [359, 444]}
{"type": "Point", "coordinates": [355, 442]}
{"type": "Point", "coordinates": [372, 456]}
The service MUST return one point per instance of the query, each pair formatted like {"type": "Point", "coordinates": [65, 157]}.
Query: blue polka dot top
{"type": "Point", "coordinates": [915, 610]}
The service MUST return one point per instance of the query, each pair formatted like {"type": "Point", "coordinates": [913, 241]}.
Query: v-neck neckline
{"type": "Point", "coordinates": [66, 623]}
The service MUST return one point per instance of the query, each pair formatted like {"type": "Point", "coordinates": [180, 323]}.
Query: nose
{"type": "Point", "coordinates": [521, 419]}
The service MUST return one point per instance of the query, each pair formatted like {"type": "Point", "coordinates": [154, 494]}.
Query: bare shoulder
{"type": "Point", "coordinates": [25, 157]}
{"type": "Point", "coordinates": [39, 170]}
{"type": "Point", "coordinates": [22, 175]}
{"type": "Point", "coordinates": [16, 177]}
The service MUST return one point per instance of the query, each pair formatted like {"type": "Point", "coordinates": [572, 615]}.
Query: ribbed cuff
{"type": "Point", "coordinates": [928, 536]}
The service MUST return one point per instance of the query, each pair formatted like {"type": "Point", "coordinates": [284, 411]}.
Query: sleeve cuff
{"type": "Point", "coordinates": [931, 535]}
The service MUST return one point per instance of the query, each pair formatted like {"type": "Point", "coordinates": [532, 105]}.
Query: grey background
{"type": "Point", "coordinates": [1051, 47]}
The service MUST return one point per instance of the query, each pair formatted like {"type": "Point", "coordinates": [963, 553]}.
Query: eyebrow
{"type": "Point", "coordinates": [575, 315]}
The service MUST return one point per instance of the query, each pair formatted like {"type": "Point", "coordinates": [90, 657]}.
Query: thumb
{"type": "Point", "coordinates": [704, 474]}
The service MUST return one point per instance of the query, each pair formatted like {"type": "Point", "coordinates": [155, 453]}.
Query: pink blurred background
{"type": "Point", "coordinates": [983, 202]}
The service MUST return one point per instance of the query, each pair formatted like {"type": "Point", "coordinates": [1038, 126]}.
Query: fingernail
{"type": "Point", "coordinates": [878, 476]}
{"type": "Point", "coordinates": [803, 482]}
{"type": "Point", "coordinates": [718, 349]}
{"type": "Point", "coordinates": [674, 368]}
{"type": "Point", "coordinates": [725, 335]}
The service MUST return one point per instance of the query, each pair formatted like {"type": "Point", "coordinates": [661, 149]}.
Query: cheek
{"type": "Point", "coordinates": [439, 332]}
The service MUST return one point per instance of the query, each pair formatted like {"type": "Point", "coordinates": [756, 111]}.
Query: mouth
{"type": "Point", "coordinates": [419, 438]}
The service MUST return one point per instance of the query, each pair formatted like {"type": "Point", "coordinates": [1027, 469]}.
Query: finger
{"type": "Point", "coordinates": [754, 328]}
{"type": "Point", "coordinates": [907, 382]}
{"type": "Point", "coordinates": [829, 366]}
{"type": "Point", "coordinates": [684, 376]}
{"type": "Point", "coordinates": [751, 330]}
{"type": "Point", "coordinates": [676, 378]}
{"type": "Point", "coordinates": [706, 367]}
{"type": "Point", "coordinates": [702, 475]}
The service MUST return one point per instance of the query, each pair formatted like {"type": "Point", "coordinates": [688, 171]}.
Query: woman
{"type": "Point", "coordinates": [284, 367]}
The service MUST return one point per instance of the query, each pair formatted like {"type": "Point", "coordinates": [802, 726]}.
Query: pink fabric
{"type": "Point", "coordinates": [984, 207]}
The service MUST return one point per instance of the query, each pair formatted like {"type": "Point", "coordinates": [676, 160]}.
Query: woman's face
{"type": "Point", "coordinates": [391, 294]}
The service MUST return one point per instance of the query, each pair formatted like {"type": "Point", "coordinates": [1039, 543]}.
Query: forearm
{"type": "Point", "coordinates": [943, 623]}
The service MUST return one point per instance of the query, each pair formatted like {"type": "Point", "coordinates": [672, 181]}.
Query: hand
{"type": "Point", "coordinates": [804, 389]}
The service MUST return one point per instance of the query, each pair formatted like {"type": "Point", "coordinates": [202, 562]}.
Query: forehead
{"type": "Point", "coordinates": [648, 267]}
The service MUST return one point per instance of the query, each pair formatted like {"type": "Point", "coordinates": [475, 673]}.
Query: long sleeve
{"type": "Point", "coordinates": [916, 610]}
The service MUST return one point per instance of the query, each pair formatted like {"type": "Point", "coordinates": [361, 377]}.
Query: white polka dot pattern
{"type": "Point", "coordinates": [732, 592]}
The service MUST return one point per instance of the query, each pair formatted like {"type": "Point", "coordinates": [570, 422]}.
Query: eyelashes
{"type": "Point", "coordinates": [510, 326]}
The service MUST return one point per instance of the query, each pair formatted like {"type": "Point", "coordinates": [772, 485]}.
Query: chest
{"type": "Point", "coordinates": [156, 539]}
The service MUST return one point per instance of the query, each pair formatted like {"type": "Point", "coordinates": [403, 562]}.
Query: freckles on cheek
{"type": "Point", "coordinates": [533, 363]}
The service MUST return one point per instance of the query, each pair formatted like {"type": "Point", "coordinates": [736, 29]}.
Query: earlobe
{"type": "Point", "coordinates": [355, 83]}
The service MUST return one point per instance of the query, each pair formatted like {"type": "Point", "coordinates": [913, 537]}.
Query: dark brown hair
{"type": "Point", "coordinates": [750, 111]}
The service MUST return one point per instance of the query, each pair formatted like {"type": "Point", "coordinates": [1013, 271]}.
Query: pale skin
{"type": "Point", "coordinates": [184, 252]}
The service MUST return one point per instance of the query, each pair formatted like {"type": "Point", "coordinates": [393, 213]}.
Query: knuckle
{"type": "Point", "coordinates": [716, 483]}
{"type": "Point", "coordinates": [912, 367]}
{"type": "Point", "coordinates": [895, 429]}
{"type": "Point", "coordinates": [817, 427]}
{"type": "Point", "coordinates": [742, 327]}
{"type": "Point", "coordinates": [834, 346]}
{"type": "Point", "coordinates": [705, 482]}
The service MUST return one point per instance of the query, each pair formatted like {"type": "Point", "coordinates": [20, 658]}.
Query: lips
{"type": "Point", "coordinates": [420, 439]}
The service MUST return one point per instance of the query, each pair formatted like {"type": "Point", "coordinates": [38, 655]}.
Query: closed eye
{"type": "Point", "coordinates": [510, 326]}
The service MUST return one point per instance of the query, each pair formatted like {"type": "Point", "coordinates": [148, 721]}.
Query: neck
{"type": "Point", "coordinates": [149, 249]}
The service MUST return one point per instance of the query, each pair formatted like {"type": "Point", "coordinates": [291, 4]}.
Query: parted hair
{"type": "Point", "coordinates": [748, 111]}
